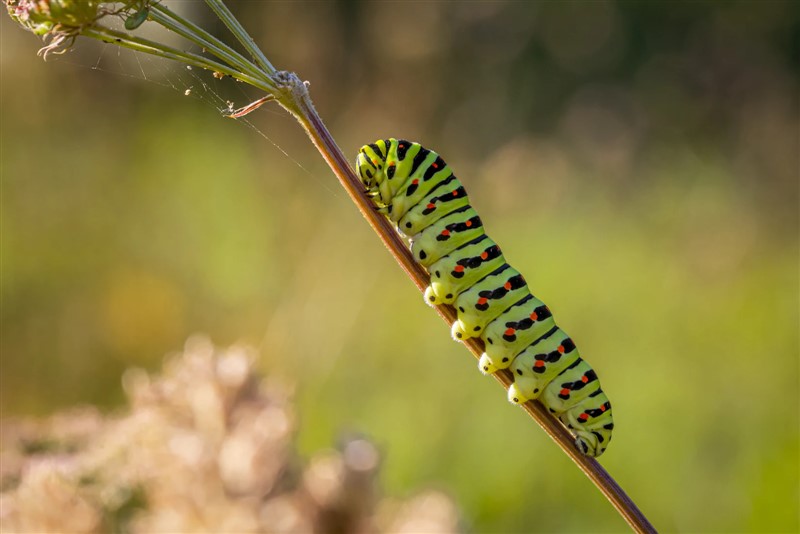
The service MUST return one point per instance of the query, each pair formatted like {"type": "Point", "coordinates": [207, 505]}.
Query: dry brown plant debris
{"type": "Point", "coordinates": [205, 446]}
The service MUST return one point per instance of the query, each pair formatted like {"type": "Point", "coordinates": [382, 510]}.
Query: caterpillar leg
{"type": "Point", "coordinates": [486, 366]}
{"type": "Point", "coordinates": [515, 395]}
{"type": "Point", "coordinates": [457, 331]}
{"type": "Point", "coordinates": [430, 297]}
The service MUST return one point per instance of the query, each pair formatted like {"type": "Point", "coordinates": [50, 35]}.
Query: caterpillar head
{"type": "Point", "coordinates": [370, 164]}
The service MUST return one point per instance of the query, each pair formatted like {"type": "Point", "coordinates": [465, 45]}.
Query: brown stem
{"type": "Point", "coordinates": [296, 100]}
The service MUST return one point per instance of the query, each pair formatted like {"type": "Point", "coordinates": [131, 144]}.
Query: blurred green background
{"type": "Point", "coordinates": [638, 162]}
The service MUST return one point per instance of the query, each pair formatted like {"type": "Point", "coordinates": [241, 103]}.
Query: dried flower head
{"type": "Point", "coordinates": [60, 22]}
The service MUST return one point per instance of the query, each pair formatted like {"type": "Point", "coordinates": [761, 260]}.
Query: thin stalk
{"type": "Point", "coordinates": [157, 49]}
{"type": "Point", "coordinates": [298, 102]}
{"type": "Point", "coordinates": [221, 10]}
{"type": "Point", "coordinates": [160, 14]}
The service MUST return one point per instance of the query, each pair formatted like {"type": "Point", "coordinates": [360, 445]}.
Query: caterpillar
{"type": "Point", "coordinates": [419, 193]}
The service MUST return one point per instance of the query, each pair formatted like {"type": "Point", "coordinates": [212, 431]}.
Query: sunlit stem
{"type": "Point", "coordinates": [187, 29]}
{"type": "Point", "coordinates": [238, 31]}
{"type": "Point", "coordinates": [157, 49]}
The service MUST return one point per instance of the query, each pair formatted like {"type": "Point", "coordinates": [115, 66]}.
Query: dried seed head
{"type": "Point", "coordinates": [59, 22]}
{"type": "Point", "coordinates": [44, 16]}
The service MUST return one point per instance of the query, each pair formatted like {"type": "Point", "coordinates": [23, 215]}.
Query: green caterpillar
{"type": "Point", "coordinates": [418, 191]}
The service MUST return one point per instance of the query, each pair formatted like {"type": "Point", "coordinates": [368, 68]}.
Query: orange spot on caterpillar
{"type": "Point", "coordinates": [510, 332]}
{"type": "Point", "coordinates": [583, 417]}
{"type": "Point", "coordinates": [507, 286]}
{"type": "Point", "coordinates": [484, 255]}
{"type": "Point", "coordinates": [468, 223]}
{"type": "Point", "coordinates": [539, 363]}
{"type": "Point", "coordinates": [459, 269]}
{"type": "Point", "coordinates": [603, 408]}
{"type": "Point", "coordinates": [375, 162]}
{"type": "Point", "coordinates": [445, 232]}
{"type": "Point", "coordinates": [435, 165]}
{"type": "Point", "coordinates": [561, 349]}
{"type": "Point", "coordinates": [584, 379]}
{"type": "Point", "coordinates": [482, 300]}
{"type": "Point", "coordinates": [534, 316]}
{"type": "Point", "coordinates": [564, 392]}
{"type": "Point", "coordinates": [431, 206]}
{"type": "Point", "coordinates": [455, 192]}
{"type": "Point", "coordinates": [414, 181]}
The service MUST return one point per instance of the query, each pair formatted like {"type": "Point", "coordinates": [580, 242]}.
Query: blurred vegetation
{"type": "Point", "coordinates": [204, 446]}
{"type": "Point", "coordinates": [638, 162]}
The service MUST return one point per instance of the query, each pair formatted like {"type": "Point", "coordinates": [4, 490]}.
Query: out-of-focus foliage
{"type": "Point", "coordinates": [637, 161]}
{"type": "Point", "coordinates": [205, 447]}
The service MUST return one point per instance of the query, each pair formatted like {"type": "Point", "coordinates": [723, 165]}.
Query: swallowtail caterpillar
{"type": "Point", "coordinates": [418, 192]}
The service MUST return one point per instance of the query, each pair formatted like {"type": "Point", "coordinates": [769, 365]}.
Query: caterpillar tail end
{"type": "Point", "coordinates": [589, 445]}
{"type": "Point", "coordinates": [486, 366]}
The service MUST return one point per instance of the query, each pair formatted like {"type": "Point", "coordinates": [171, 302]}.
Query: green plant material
{"type": "Point", "coordinates": [187, 29]}
{"type": "Point", "coordinates": [224, 14]}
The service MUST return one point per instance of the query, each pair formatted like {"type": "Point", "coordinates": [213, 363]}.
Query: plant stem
{"type": "Point", "coordinates": [221, 10]}
{"type": "Point", "coordinates": [297, 101]}
{"type": "Point", "coordinates": [169, 19]}
{"type": "Point", "coordinates": [157, 49]}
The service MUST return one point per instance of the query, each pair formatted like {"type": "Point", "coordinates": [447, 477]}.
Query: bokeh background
{"type": "Point", "coordinates": [638, 162]}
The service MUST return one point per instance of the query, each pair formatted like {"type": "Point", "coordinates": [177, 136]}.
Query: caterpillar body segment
{"type": "Point", "coordinates": [460, 270]}
{"type": "Point", "coordinates": [446, 235]}
{"type": "Point", "coordinates": [418, 191]}
{"type": "Point", "coordinates": [442, 200]}
{"type": "Point", "coordinates": [487, 299]}
{"type": "Point", "coordinates": [541, 362]}
{"type": "Point", "coordinates": [516, 328]}
{"type": "Point", "coordinates": [571, 387]}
